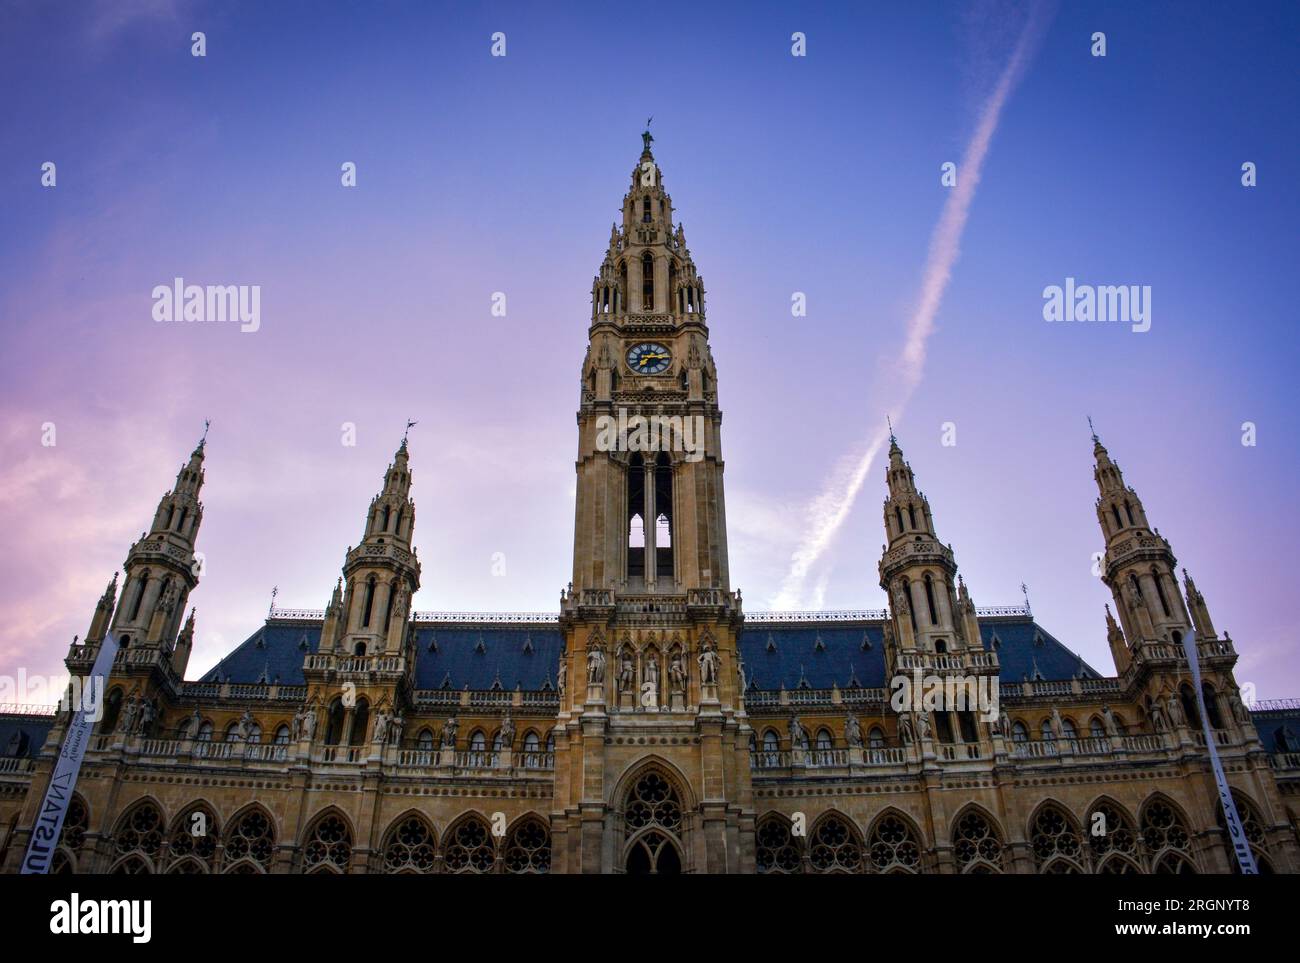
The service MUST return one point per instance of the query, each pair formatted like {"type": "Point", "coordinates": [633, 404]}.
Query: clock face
{"type": "Point", "coordinates": [648, 358]}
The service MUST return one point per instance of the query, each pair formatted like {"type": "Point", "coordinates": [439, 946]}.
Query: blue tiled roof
{"type": "Point", "coordinates": [34, 728]}
{"type": "Point", "coordinates": [1279, 730]}
{"type": "Point", "coordinates": [815, 655]}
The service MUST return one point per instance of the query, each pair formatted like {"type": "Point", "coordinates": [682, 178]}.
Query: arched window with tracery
{"type": "Point", "coordinates": [893, 846]}
{"type": "Point", "coordinates": [250, 843]}
{"type": "Point", "coordinates": [1056, 841]}
{"type": "Point", "coordinates": [137, 841]}
{"type": "Point", "coordinates": [1019, 733]}
{"type": "Point", "coordinates": [1165, 838]}
{"type": "Point", "coordinates": [834, 846]}
{"type": "Point", "coordinates": [410, 846]}
{"type": "Point", "coordinates": [777, 849]}
{"type": "Point", "coordinates": [192, 843]}
{"type": "Point", "coordinates": [469, 847]}
{"type": "Point", "coordinates": [424, 742]}
{"type": "Point", "coordinates": [528, 847]}
{"type": "Point", "coordinates": [72, 837]}
{"type": "Point", "coordinates": [1115, 848]}
{"type": "Point", "coordinates": [652, 819]}
{"type": "Point", "coordinates": [328, 847]}
{"type": "Point", "coordinates": [1252, 827]}
{"type": "Point", "coordinates": [977, 846]}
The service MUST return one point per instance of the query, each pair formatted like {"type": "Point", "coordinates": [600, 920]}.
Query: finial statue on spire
{"type": "Point", "coordinates": [1092, 429]}
{"type": "Point", "coordinates": [275, 590]}
{"type": "Point", "coordinates": [207, 423]}
{"type": "Point", "coordinates": [646, 137]}
{"type": "Point", "coordinates": [409, 425]}
{"type": "Point", "coordinates": [892, 439]}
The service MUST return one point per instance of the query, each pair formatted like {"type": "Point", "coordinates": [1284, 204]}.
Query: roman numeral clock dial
{"type": "Point", "coordinates": [648, 358]}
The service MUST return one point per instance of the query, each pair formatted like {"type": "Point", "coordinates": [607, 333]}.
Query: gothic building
{"type": "Point", "coordinates": [651, 726]}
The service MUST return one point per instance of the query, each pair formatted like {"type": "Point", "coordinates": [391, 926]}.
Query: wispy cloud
{"type": "Point", "coordinates": [827, 512]}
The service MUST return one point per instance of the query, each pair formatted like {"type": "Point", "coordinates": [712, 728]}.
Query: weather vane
{"type": "Point", "coordinates": [275, 590]}
{"type": "Point", "coordinates": [409, 425]}
{"type": "Point", "coordinates": [204, 440]}
{"type": "Point", "coordinates": [891, 427]}
{"type": "Point", "coordinates": [1092, 429]}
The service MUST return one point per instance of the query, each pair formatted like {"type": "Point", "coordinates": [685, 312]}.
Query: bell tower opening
{"type": "Point", "coordinates": [636, 529]}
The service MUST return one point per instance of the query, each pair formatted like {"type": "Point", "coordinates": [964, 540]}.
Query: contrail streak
{"type": "Point", "coordinates": [829, 509]}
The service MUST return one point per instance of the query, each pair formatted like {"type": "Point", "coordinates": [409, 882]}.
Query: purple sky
{"type": "Point", "coordinates": [479, 174]}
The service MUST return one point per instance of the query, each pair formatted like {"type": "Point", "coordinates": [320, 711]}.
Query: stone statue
{"type": "Point", "coordinates": [853, 731]}
{"type": "Point", "coordinates": [905, 729]}
{"type": "Point", "coordinates": [1175, 710]}
{"type": "Point", "coordinates": [381, 727]}
{"type": "Point", "coordinates": [245, 726]}
{"type": "Point", "coordinates": [129, 713]}
{"type": "Point", "coordinates": [190, 726]}
{"type": "Point", "coordinates": [677, 671]}
{"type": "Point", "coordinates": [626, 673]}
{"type": "Point", "coordinates": [595, 667]}
{"type": "Point", "coordinates": [561, 675]}
{"type": "Point", "coordinates": [146, 718]}
{"type": "Point", "coordinates": [1239, 711]}
{"type": "Point", "coordinates": [923, 725]}
{"type": "Point", "coordinates": [1003, 727]}
{"type": "Point", "coordinates": [652, 673]}
{"type": "Point", "coordinates": [309, 723]}
{"type": "Point", "coordinates": [1157, 718]}
{"type": "Point", "coordinates": [507, 734]}
{"type": "Point", "coordinates": [708, 665]}
{"type": "Point", "coordinates": [449, 728]}
{"type": "Point", "coordinates": [1057, 729]}
{"type": "Point", "coordinates": [1108, 720]}
{"type": "Point", "coordinates": [798, 734]}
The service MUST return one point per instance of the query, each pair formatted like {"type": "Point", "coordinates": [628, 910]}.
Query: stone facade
{"type": "Point", "coordinates": [650, 726]}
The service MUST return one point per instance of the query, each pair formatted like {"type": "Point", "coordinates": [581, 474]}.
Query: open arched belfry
{"type": "Point", "coordinates": [650, 726]}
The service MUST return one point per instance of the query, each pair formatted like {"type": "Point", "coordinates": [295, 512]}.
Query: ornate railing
{"type": "Point", "coordinates": [31, 709]}
{"type": "Point", "coordinates": [1275, 705]}
{"type": "Point", "coordinates": [602, 597]}
{"type": "Point", "coordinates": [1284, 760]}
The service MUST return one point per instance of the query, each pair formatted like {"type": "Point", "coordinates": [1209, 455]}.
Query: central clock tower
{"type": "Point", "coordinates": [651, 700]}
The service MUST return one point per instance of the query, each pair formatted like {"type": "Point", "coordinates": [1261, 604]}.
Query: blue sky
{"type": "Point", "coordinates": [477, 174]}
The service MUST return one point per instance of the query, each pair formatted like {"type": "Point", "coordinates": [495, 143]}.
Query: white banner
{"type": "Point", "coordinates": [1240, 845]}
{"type": "Point", "coordinates": [49, 821]}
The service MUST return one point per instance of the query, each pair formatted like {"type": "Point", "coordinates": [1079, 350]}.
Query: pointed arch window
{"type": "Point", "coordinates": [370, 601]}
{"type": "Point", "coordinates": [929, 599]}
{"type": "Point", "coordinates": [1019, 734]}
{"type": "Point", "coordinates": [334, 723]}
{"type": "Point", "coordinates": [1211, 705]}
{"type": "Point", "coordinates": [282, 735]}
{"type": "Point", "coordinates": [112, 709]}
{"type": "Point", "coordinates": [139, 596]}
{"type": "Point", "coordinates": [1160, 592]}
{"type": "Point", "coordinates": [360, 722]}
{"type": "Point", "coordinates": [1119, 523]}
{"type": "Point", "coordinates": [647, 278]}
{"type": "Point", "coordinates": [911, 605]}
